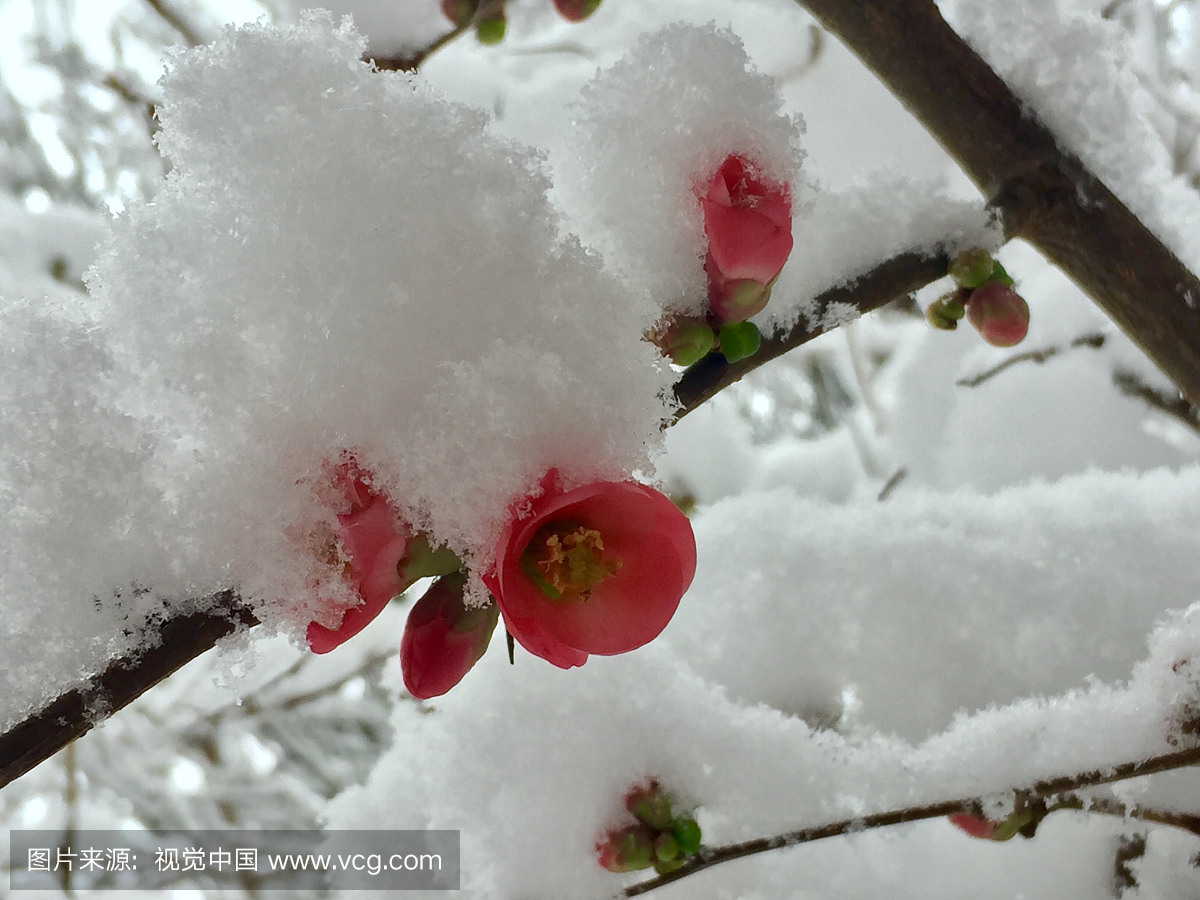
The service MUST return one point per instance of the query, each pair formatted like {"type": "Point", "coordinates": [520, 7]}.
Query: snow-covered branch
{"type": "Point", "coordinates": [1045, 192]}
{"type": "Point", "coordinates": [1025, 797]}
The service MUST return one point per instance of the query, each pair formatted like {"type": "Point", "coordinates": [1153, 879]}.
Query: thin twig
{"type": "Point", "coordinates": [176, 21]}
{"type": "Point", "coordinates": [709, 857]}
{"type": "Point", "coordinates": [1095, 341]}
{"type": "Point", "coordinates": [1174, 405]}
{"type": "Point", "coordinates": [892, 483]}
{"type": "Point", "coordinates": [133, 98]}
{"type": "Point", "coordinates": [413, 62]}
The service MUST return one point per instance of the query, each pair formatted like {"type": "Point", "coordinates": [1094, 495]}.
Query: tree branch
{"type": "Point", "coordinates": [890, 279]}
{"type": "Point", "coordinates": [180, 640]}
{"type": "Point", "coordinates": [1046, 195]}
{"type": "Point", "coordinates": [1133, 386]}
{"type": "Point", "coordinates": [709, 857]}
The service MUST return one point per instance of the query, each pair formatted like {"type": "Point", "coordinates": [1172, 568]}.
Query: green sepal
{"type": "Point", "coordinates": [666, 868]}
{"type": "Point", "coordinates": [491, 31]}
{"type": "Point", "coordinates": [1008, 829]}
{"type": "Point", "coordinates": [739, 340]}
{"type": "Point", "coordinates": [1000, 275]}
{"type": "Point", "coordinates": [687, 835]}
{"type": "Point", "coordinates": [691, 343]}
{"type": "Point", "coordinates": [422, 561]}
{"type": "Point", "coordinates": [972, 268]}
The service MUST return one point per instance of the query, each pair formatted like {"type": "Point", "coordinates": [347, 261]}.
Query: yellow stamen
{"type": "Point", "coordinates": [570, 560]}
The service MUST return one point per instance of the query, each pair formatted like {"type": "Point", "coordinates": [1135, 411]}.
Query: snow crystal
{"type": "Point", "coordinates": [651, 130]}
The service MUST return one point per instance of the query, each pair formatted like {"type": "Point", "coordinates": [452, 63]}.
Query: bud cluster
{"type": "Point", "coordinates": [985, 297]}
{"type": "Point", "coordinates": [660, 838]}
{"type": "Point", "coordinates": [1023, 820]}
{"type": "Point", "coordinates": [748, 224]}
{"type": "Point", "coordinates": [490, 21]}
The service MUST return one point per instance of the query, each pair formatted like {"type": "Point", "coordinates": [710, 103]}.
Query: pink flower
{"type": "Point", "coordinates": [748, 223]}
{"type": "Point", "coordinates": [443, 639]}
{"type": "Point", "coordinates": [999, 314]}
{"type": "Point", "coordinates": [597, 569]}
{"type": "Point", "coordinates": [374, 540]}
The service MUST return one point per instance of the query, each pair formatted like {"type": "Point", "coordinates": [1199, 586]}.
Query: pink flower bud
{"type": "Point", "coordinates": [979, 827]}
{"type": "Point", "coordinates": [999, 314]}
{"type": "Point", "coordinates": [597, 569]}
{"type": "Point", "coordinates": [459, 11]}
{"type": "Point", "coordinates": [576, 10]}
{"type": "Point", "coordinates": [443, 639]}
{"type": "Point", "coordinates": [975, 826]}
{"type": "Point", "coordinates": [374, 540]}
{"type": "Point", "coordinates": [626, 850]}
{"type": "Point", "coordinates": [748, 223]}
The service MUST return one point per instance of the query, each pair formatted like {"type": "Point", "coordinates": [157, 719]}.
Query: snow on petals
{"type": "Point", "coordinates": [596, 569]}
{"type": "Point", "coordinates": [373, 540]}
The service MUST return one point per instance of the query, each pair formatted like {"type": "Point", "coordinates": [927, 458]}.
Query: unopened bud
{"type": "Point", "coordinates": [986, 829]}
{"type": "Point", "coordinates": [650, 806]}
{"type": "Point", "coordinates": [999, 314]}
{"type": "Point", "coordinates": [687, 835]}
{"type": "Point", "coordinates": [688, 341]}
{"type": "Point", "coordinates": [739, 340]}
{"type": "Point", "coordinates": [626, 850]}
{"type": "Point", "coordinates": [459, 11]}
{"type": "Point", "coordinates": [491, 30]}
{"type": "Point", "coordinates": [576, 10]}
{"type": "Point", "coordinates": [946, 310]}
{"type": "Point", "coordinates": [443, 639]}
{"type": "Point", "coordinates": [972, 268]}
{"type": "Point", "coordinates": [665, 847]}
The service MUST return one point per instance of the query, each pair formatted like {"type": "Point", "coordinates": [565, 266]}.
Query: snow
{"type": "Point", "coordinates": [399, 290]}
{"type": "Point", "coordinates": [641, 162]}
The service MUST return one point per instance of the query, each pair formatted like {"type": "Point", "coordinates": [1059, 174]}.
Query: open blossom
{"type": "Point", "coordinates": [373, 540]}
{"type": "Point", "coordinates": [748, 223]}
{"type": "Point", "coordinates": [596, 569]}
{"type": "Point", "coordinates": [443, 639]}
